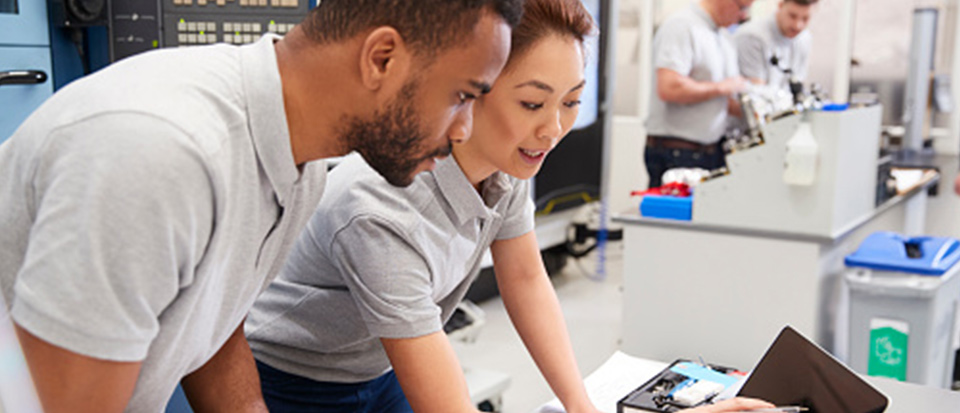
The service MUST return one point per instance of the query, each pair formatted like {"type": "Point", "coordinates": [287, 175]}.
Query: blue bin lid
{"type": "Point", "coordinates": [888, 251]}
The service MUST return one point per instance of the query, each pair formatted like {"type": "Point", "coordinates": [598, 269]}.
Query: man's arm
{"type": "Point", "coordinates": [70, 382]}
{"type": "Point", "coordinates": [228, 382]}
{"type": "Point", "coordinates": [110, 233]}
{"type": "Point", "coordinates": [429, 373]}
{"type": "Point", "coordinates": [674, 87]}
{"type": "Point", "coordinates": [535, 311]}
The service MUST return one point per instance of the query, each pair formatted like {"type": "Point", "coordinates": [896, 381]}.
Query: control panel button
{"type": "Point", "coordinates": [256, 27]}
{"type": "Point", "coordinates": [191, 26]}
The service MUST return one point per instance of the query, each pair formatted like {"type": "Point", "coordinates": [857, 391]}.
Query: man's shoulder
{"type": "Point", "coordinates": [682, 20]}
{"type": "Point", "coordinates": [754, 29]}
{"type": "Point", "coordinates": [178, 86]}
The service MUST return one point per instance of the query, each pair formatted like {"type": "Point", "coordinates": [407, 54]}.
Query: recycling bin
{"type": "Point", "coordinates": [904, 294]}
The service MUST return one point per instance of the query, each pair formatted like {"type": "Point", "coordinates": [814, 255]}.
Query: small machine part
{"type": "Point", "coordinates": [682, 385]}
{"type": "Point", "coordinates": [689, 176]}
{"type": "Point", "coordinates": [697, 392]}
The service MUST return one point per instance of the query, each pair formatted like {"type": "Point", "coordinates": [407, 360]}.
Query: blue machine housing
{"type": "Point", "coordinates": [889, 251]}
{"type": "Point", "coordinates": [24, 45]}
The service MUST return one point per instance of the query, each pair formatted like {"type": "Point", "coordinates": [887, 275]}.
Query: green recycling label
{"type": "Point", "coordinates": [888, 348]}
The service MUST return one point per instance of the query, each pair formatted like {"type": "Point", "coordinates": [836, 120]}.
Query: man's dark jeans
{"type": "Point", "coordinates": [289, 393]}
{"type": "Point", "coordinates": [660, 159]}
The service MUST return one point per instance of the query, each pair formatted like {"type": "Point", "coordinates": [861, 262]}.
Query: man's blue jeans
{"type": "Point", "coordinates": [285, 392]}
{"type": "Point", "coordinates": [661, 159]}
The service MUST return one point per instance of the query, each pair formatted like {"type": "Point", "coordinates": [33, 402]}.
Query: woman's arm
{"type": "Point", "coordinates": [535, 312]}
{"type": "Point", "coordinates": [429, 373]}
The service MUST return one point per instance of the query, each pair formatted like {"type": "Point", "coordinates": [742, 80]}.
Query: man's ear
{"type": "Point", "coordinates": [384, 57]}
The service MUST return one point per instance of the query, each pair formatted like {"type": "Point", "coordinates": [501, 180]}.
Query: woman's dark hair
{"type": "Point", "coordinates": [544, 18]}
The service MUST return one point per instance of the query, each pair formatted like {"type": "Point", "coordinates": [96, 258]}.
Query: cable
{"type": "Point", "coordinates": [582, 240]}
{"type": "Point", "coordinates": [79, 39]}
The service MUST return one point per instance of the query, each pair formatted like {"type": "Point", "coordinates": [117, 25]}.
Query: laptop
{"type": "Point", "coordinates": [796, 372]}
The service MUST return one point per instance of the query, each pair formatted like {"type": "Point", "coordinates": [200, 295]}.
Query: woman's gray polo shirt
{"type": "Point", "coordinates": [146, 206]}
{"type": "Point", "coordinates": [381, 261]}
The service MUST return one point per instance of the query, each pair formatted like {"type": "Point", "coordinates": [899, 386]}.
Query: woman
{"type": "Point", "coordinates": [355, 324]}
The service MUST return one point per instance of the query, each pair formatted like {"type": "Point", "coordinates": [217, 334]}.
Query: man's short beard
{"type": "Point", "coordinates": [392, 142]}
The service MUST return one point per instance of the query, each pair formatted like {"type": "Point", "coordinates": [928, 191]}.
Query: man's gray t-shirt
{"type": "Point", "coordinates": [760, 40]}
{"type": "Point", "coordinates": [380, 261]}
{"type": "Point", "coordinates": [691, 44]}
{"type": "Point", "coordinates": [145, 207]}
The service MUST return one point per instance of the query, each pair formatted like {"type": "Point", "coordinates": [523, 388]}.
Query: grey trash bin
{"type": "Point", "coordinates": [904, 295]}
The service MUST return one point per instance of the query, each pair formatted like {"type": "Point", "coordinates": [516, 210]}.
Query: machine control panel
{"type": "Point", "coordinates": [134, 27]}
{"type": "Point", "coordinates": [198, 22]}
{"type": "Point", "coordinates": [142, 25]}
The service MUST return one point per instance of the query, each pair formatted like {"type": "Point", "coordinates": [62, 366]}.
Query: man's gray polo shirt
{"type": "Point", "coordinates": [145, 207]}
{"type": "Point", "coordinates": [691, 44]}
{"type": "Point", "coordinates": [759, 40]}
{"type": "Point", "coordinates": [380, 261]}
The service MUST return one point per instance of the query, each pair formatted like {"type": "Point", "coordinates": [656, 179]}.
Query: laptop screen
{"type": "Point", "coordinates": [795, 371]}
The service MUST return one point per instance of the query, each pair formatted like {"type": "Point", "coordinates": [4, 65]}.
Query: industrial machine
{"type": "Point", "coordinates": [838, 188]}
{"type": "Point", "coordinates": [25, 63]}
{"type": "Point", "coordinates": [136, 26]}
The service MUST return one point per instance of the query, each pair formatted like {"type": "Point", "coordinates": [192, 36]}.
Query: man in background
{"type": "Point", "coordinates": [775, 48]}
{"type": "Point", "coordinates": [695, 79]}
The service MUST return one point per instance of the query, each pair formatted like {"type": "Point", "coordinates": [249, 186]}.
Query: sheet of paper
{"type": "Point", "coordinates": [613, 380]}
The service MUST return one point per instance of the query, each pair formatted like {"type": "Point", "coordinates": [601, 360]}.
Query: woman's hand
{"type": "Point", "coordinates": [737, 404]}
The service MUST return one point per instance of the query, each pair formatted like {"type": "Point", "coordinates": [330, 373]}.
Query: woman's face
{"type": "Point", "coordinates": [533, 105]}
